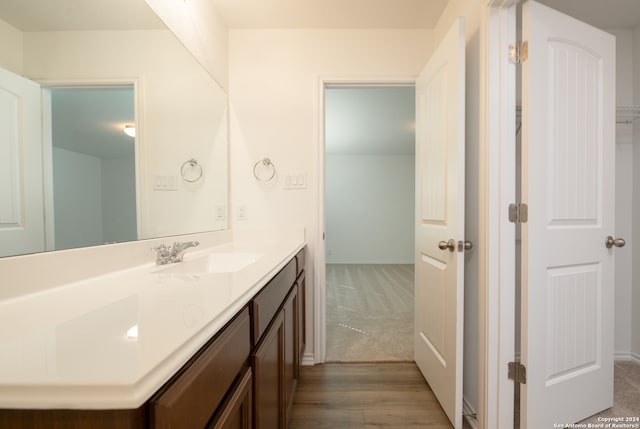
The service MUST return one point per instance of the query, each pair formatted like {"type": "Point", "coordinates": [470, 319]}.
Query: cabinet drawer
{"type": "Point", "coordinates": [267, 302]}
{"type": "Point", "coordinates": [190, 399]}
{"type": "Point", "coordinates": [300, 262]}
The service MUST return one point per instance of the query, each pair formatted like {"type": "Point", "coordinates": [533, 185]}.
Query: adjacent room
{"type": "Point", "coordinates": [370, 215]}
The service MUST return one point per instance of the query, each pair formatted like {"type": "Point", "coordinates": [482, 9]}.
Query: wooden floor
{"type": "Point", "coordinates": [365, 395]}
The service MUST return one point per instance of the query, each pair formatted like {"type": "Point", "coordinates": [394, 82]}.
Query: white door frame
{"type": "Point", "coordinates": [497, 336]}
{"type": "Point", "coordinates": [319, 291]}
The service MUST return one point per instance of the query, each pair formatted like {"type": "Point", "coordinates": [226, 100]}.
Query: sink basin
{"type": "Point", "coordinates": [212, 263]}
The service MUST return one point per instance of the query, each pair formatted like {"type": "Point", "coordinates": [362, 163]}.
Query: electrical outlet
{"type": "Point", "coordinates": [242, 213]}
{"type": "Point", "coordinates": [221, 212]}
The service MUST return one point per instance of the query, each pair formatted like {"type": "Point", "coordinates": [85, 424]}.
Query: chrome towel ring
{"type": "Point", "coordinates": [192, 164]}
{"type": "Point", "coordinates": [264, 170]}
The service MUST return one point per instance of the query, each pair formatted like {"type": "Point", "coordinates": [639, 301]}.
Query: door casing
{"type": "Point", "coordinates": [319, 292]}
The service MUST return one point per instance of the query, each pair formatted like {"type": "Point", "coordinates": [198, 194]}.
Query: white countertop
{"type": "Point", "coordinates": [67, 347]}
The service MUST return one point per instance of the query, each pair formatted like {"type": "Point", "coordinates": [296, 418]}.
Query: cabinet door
{"type": "Point", "coordinates": [290, 346]}
{"type": "Point", "coordinates": [236, 413]}
{"type": "Point", "coordinates": [268, 372]}
{"type": "Point", "coordinates": [301, 333]}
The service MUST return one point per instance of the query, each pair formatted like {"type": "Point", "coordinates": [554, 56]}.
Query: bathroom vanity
{"type": "Point", "coordinates": [215, 346]}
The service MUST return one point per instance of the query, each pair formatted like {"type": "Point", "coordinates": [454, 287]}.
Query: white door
{"type": "Point", "coordinates": [568, 137]}
{"type": "Point", "coordinates": [439, 275]}
{"type": "Point", "coordinates": [21, 189]}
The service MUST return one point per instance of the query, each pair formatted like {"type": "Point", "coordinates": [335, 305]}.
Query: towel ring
{"type": "Point", "coordinates": [193, 163]}
{"type": "Point", "coordinates": [266, 162]}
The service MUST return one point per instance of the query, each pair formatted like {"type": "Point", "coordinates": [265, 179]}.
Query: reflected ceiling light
{"type": "Point", "coordinates": [132, 333]}
{"type": "Point", "coordinates": [130, 130]}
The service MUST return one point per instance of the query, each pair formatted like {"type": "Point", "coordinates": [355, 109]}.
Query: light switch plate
{"type": "Point", "coordinates": [294, 181]}
{"type": "Point", "coordinates": [165, 182]}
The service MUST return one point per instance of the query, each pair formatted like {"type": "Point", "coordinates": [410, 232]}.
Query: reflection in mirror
{"type": "Point", "coordinates": [56, 51]}
{"type": "Point", "coordinates": [94, 200]}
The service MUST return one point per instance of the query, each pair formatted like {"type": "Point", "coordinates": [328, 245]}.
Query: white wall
{"type": "Point", "coordinates": [10, 48]}
{"type": "Point", "coordinates": [77, 186]}
{"type": "Point", "coordinates": [274, 90]}
{"type": "Point", "coordinates": [200, 28]}
{"type": "Point", "coordinates": [119, 221]}
{"type": "Point", "coordinates": [94, 199]}
{"type": "Point", "coordinates": [369, 208]}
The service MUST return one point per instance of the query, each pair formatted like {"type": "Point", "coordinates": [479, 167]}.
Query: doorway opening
{"type": "Point", "coordinates": [92, 165]}
{"type": "Point", "coordinates": [369, 201]}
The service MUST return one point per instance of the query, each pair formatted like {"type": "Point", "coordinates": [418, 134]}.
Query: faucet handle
{"type": "Point", "coordinates": [162, 254]}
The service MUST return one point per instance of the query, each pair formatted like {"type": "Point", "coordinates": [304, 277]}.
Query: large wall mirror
{"type": "Point", "coordinates": [70, 175]}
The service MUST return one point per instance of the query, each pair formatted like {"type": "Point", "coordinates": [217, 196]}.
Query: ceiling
{"type": "Point", "coordinates": [58, 15]}
{"type": "Point", "coordinates": [397, 13]}
{"type": "Point", "coordinates": [48, 15]}
{"type": "Point", "coordinates": [330, 13]}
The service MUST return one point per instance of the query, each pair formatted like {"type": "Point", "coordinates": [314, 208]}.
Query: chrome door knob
{"type": "Point", "coordinates": [444, 245]}
{"type": "Point", "coordinates": [617, 242]}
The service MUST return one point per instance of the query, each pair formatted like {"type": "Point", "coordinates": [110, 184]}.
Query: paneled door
{"type": "Point", "coordinates": [21, 186]}
{"type": "Point", "coordinates": [439, 265]}
{"type": "Point", "coordinates": [568, 137]}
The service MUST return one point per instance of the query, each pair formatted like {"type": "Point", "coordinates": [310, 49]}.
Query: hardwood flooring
{"type": "Point", "coordinates": [365, 396]}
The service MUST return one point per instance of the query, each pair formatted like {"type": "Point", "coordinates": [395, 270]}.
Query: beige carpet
{"type": "Point", "coordinates": [626, 393]}
{"type": "Point", "coordinates": [369, 313]}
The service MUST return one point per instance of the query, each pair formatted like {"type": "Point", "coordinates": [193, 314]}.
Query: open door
{"type": "Point", "coordinates": [440, 245]}
{"type": "Point", "coordinates": [21, 187]}
{"type": "Point", "coordinates": [568, 137]}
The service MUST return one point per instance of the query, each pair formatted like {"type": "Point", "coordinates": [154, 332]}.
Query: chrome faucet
{"type": "Point", "coordinates": [175, 253]}
{"type": "Point", "coordinates": [179, 248]}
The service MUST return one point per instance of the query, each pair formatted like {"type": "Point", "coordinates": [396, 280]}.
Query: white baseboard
{"type": "Point", "coordinates": [308, 359]}
{"type": "Point", "coordinates": [627, 356]}
{"type": "Point", "coordinates": [469, 414]}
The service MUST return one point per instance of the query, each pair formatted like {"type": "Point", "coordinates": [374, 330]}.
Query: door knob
{"type": "Point", "coordinates": [465, 245]}
{"type": "Point", "coordinates": [444, 245]}
{"type": "Point", "coordinates": [617, 242]}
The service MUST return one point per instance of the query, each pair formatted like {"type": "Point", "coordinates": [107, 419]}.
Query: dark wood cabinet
{"type": "Point", "coordinates": [191, 398]}
{"type": "Point", "coordinates": [301, 333]}
{"type": "Point", "coordinates": [268, 367]}
{"type": "Point", "coordinates": [237, 412]}
{"type": "Point", "coordinates": [277, 357]}
{"type": "Point", "coordinates": [244, 377]}
{"type": "Point", "coordinates": [291, 362]}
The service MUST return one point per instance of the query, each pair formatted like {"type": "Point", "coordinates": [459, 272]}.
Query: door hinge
{"type": "Point", "coordinates": [518, 213]}
{"type": "Point", "coordinates": [519, 52]}
{"type": "Point", "coordinates": [517, 372]}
